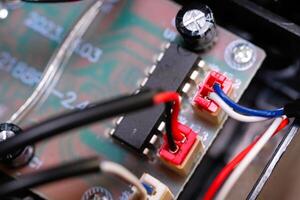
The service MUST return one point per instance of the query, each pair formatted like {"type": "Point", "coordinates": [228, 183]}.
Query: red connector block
{"type": "Point", "coordinates": [188, 149]}
{"type": "Point", "coordinates": [205, 107]}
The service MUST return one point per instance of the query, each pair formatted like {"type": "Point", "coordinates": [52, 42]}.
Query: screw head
{"type": "Point", "coordinates": [242, 53]}
{"type": "Point", "coordinates": [97, 193]}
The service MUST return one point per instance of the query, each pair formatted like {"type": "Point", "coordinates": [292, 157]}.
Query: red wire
{"type": "Point", "coordinates": [165, 97]}
{"type": "Point", "coordinates": [225, 172]}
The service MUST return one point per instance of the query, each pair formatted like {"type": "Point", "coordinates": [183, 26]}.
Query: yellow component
{"type": "Point", "coordinates": [186, 166]}
{"type": "Point", "coordinates": [160, 190]}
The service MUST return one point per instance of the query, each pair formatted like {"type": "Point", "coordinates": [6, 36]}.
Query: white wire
{"type": "Point", "coordinates": [57, 63]}
{"type": "Point", "coordinates": [122, 172]}
{"type": "Point", "coordinates": [232, 179]}
{"type": "Point", "coordinates": [233, 114]}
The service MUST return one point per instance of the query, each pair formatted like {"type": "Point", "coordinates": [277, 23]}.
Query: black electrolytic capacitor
{"type": "Point", "coordinates": [18, 157]}
{"type": "Point", "coordinates": [196, 25]}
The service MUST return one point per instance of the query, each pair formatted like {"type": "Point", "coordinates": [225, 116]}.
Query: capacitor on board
{"type": "Point", "coordinates": [19, 157]}
{"type": "Point", "coordinates": [196, 25]}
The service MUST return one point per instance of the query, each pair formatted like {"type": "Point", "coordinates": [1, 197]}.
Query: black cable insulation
{"type": "Point", "coordinates": [292, 109]}
{"type": "Point", "coordinates": [68, 170]}
{"type": "Point", "coordinates": [78, 118]}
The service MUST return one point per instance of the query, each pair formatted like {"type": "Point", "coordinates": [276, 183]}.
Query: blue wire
{"type": "Point", "coordinates": [244, 110]}
{"type": "Point", "coordinates": [148, 188]}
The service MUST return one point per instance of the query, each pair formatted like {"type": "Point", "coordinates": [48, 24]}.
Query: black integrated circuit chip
{"type": "Point", "coordinates": [171, 72]}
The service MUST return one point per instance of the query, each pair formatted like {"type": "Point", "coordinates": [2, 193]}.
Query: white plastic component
{"type": "Point", "coordinates": [160, 190]}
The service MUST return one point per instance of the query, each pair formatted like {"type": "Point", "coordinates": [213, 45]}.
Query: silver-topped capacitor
{"type": "Point", "coordinates": [196, 25]}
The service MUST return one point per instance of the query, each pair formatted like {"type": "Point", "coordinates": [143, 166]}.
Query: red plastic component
{"type": "Point", "coordinates": [184, 146]}
{"type": "Point", "coordinates": [201, 99]}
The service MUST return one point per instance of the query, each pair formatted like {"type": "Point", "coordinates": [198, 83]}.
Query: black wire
{"type": "Point", "coordinates": [70, 169]}
{"type": "Point", "coordinates": [69, 121]}
{"type": "Point", "coordinates": [292, 109]}
{"type": "Point", "coordinates": [78, 118]}
{"type": "Point", "coordinates": [169, 133]}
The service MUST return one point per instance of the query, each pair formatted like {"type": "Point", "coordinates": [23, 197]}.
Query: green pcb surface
{"type": "Point", "coordinates": [111, 59]}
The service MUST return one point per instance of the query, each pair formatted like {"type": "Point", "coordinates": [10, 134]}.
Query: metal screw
{"type": "Point", "coordinates": [97, 193]}
{"type": "Point", "coordinates": [242, 53]}
{"type": "Point", "coordinates": [194, 20]}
